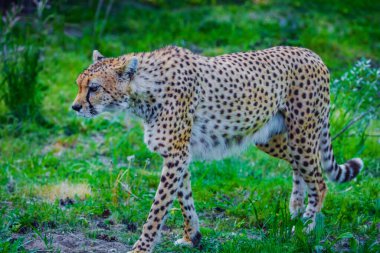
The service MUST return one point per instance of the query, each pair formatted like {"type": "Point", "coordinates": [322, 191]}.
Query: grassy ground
{"type": "Point", "coordinates": [110, 177]}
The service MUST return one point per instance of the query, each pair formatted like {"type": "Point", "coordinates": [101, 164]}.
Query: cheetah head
{"type": "Point", "coordinates": [104, 85]}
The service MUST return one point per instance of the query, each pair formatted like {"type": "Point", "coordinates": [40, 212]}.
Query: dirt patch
{"type": "Point", "coordinates": [74, 243]}
{"type": "Point", "coordinates": [64, 191]}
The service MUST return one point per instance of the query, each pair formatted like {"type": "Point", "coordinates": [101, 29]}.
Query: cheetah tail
{"type": "Point", "coordinates": [337, 173]}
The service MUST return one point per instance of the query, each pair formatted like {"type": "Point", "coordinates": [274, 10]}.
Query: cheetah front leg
{"type": "Point", "coordinates": [191, 236]}
{"type": "Point", "coordinates": [173, 171]}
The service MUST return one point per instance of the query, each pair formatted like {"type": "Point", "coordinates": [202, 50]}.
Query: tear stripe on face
{"type": "Point", "coordinates": [92, 109]}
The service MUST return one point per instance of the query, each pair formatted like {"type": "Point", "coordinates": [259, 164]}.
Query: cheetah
{"type": "Point", "coordinates": [204, 108]}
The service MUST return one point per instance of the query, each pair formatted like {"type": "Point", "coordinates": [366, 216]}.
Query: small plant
{"type": "Point", "coordinates": [355, 101]}
{"type": "Point", "coordinates": [21, 62]}
{"type": "Point", "coordinates": [45, 238]}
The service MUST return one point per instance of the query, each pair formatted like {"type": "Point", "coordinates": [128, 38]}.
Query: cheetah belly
{"type": "Point", "coordinates": [214, 144]}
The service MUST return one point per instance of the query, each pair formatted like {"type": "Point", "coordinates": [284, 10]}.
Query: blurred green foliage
{"type": "Point", "coordinates": [355, 107]}
{"type": "Point", "coordinates": [21, 62]}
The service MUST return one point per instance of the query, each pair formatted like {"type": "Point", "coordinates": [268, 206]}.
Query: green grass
{"type": "Point", "coordinates": [242, 201]}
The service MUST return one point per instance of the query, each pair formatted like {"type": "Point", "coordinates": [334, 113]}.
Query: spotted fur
{"type": "Point", "coordinates": [197, 107]}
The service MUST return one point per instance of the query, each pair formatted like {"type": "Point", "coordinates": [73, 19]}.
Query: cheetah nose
{"type": "Point", "coordinates": [76, 107]}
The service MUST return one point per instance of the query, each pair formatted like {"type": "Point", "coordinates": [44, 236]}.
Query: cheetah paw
{"type": "Point", "coordinates": [183, 242]}
{"type": "Point", "coordinates": [309, 224]}
{"type": "Point", "coordinates": [137, 251]}
{"type": "Point", "coordinates": [296, 210]}
{"type": "Point", "coordinates": [296, 213]}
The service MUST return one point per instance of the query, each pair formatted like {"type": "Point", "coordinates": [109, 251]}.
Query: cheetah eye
{"type": "Point", "coordinates": [94, 87]}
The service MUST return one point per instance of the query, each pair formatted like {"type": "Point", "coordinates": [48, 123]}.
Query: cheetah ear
{"type": "Point", "coordinates": [96, 56]}
{"type": "Point", "coordinates": [128, 71]}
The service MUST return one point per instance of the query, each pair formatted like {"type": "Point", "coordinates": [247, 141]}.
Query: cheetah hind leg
{"type": "Point", "coordinates": [306, 165]}
{"type": "Point", "coordinates": [297, 198]}
{"type": "Point", "coordinates": [277, 147]}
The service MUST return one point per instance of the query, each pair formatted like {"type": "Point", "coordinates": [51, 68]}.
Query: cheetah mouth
{"type": "Point", "coordinates": [111, 108]}
{"type": "Point", "coordinates": [93, 111]}
{"type": "Point", "coordinates": [88, 115]}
